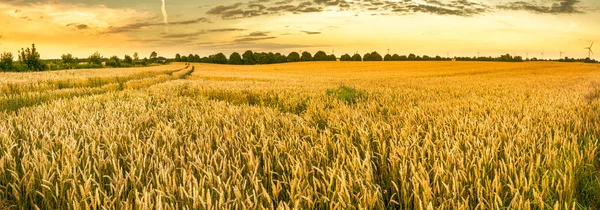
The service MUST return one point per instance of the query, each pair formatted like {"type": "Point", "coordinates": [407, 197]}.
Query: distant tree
{"type": "Point", "coordinates": [403, 58]}
{"type": "Point", "coordinates": [388, 57]}
{"type": "Point", "coordinates": [332, 57]}
{"type": "Point", "coordinates": [396, 57]}
{"type": "Point", "coordinates": [184, 59]}
{"type": "Point", "coordinates": [128, 60]}
{"type": "Point", "coordinates": [412, 57]}
{"type": "Point", "coordinates": [220, 58]}
{"type": "Point", "coordinates": [114, 62]}
{"type": "Point", "coordinates": [95, 59]}
{"type": "Point", "coordinates": [367, 57]}
{"type": "Point", "coordinates": [144, 61]}
{"type": "Point", "coordinates": [177, 57]}
{"type": "Point", "coordinates": [345, 57]}
{"type": "Point", "coordinates": [235, 59]}
{"type": "Point", "coordinates": [374, 56]}
{"type": "Point", "coordinates": [293, 57]}
{"type": "Point", "coordinates": [306, 56]}
{"type": "Point", "coordinates": [281, 58]}
{"type": "Point", "coordinates": [248, 58]}
{"type": "Point", "coordinates": [153, 57]}
{"type": "Point", "coordinates": [321, 56]}
{"type": "Point", "coordinates": [30, 58]}
{"type": "Point", "coordinates": [69, 61]}
{"type": "Point", "coordinates": [356, 57]}
{"type": "Point", "coordinates": [6, 62]}
{"type": "Point", "coordinates": [136, 58]}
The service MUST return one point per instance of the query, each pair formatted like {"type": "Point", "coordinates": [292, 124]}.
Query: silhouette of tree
{"type": "Point", "coordinates": [178, 57]}
{"type": "Point", "coordinates": [396, 57]}
{"type": "Point", "coordinates": [356, 57]}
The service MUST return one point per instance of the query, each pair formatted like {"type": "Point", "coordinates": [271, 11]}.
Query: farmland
{"type": "Point", "coordinates": [314, 135]}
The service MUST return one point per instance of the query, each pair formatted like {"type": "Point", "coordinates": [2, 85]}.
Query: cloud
{"type": "Point", "coordinates": [557, 7]}
{"type": "Point", "coordinates": [195, 34]}
{"type": "Point", "coordinates": [463, 8]}
{"type": "Point", "coordinates": [311, 32]}
{"type": "Point", "coordinates": [250, 39]}
{"type": "Point", "coordinates": [78, 26]}
{"type": "Point", "coordinates": [140, 25]}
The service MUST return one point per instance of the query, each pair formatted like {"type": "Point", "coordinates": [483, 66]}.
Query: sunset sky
{"type": "Point", "coordinates": [432, 27]}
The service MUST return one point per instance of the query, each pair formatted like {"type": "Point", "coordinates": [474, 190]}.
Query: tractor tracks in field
{"type": "Point", "coordinates": [14, 102]}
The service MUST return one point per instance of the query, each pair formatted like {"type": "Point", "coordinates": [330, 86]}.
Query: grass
{"type": "Point", "coordinates": [411, 135]}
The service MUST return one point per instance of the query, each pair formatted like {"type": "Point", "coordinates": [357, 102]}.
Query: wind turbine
{"type": "Point", "coordinates": [388, 50]}
{"type": "Point", "coordinates": [590, 52]}
{"type": "Point", "coordinates": [561, 53]}
{"type": "Point", "coordinates": [542, 55]}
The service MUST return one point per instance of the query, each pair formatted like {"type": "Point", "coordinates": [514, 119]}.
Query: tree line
{"type": "Point", "coordinates": [253, 58]}
{"type": "Point", "coordinates": [29, 60]}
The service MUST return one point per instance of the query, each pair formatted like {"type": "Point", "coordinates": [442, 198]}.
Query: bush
{"type": "Point", "coordinates": [347, 94]}
{"type": "Point", "coordinates": [6, 62]}
{"type": "Point", "coordinates": [356, 57]}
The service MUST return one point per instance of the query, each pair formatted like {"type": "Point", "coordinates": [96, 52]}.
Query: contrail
{"type": "Point", "coordinates": [165, 16]}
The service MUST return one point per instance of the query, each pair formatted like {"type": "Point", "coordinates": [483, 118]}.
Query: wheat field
{"type": "Point", "coordinates": [315, 135]}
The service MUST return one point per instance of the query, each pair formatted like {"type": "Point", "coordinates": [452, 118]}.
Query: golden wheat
{"type": "Point", "coordinates": [400, 135]}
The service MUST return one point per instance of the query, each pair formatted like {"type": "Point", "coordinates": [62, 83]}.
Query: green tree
{"type": "Point", "coordinates": [128, 60]}
{"type": "Point", "coordinates": [356, 57]}
{"type": "Point", "coordinates": [95, 59]}
{"type": "Point", "coordinates": [136, 58]}
{"type": "Point", "coordinates": [345, 57]}
{"type": "Point", "coordinates": [412, 57]}
{"type": "Point", "coordinates": [332, 57]}
{"type": "Point", "coordinates": [177, 57]}
{"type": "Point", "coordinates": [321, 56]}
{"type": "Point", "coordinates": [396, 57]}
{"type": "Point", "coordinates": [374, 56]}
{"type": "Point", "coordinates": [388, 57]}
{"type": "Point", "coordinates": [30, 58]}
{"type": "Point", "coordinates": [248, 58]}
{"type": "Point", "coordinates": [306, 56]}
{"type": "Point", "coordinates": [114, 62]}
{"type": "Point", "coordinates": [235, 59]}
{"type": "Point", "coordinates": [153, 57]}
{"type": "Point", "coordinates": [220, 58]}
{"type": "Point", "coordinates": [69, 61]}
{"type": "Point", "coordinates": [293, 57]}
{"type": "Point", "coordinates": [6, 62]}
